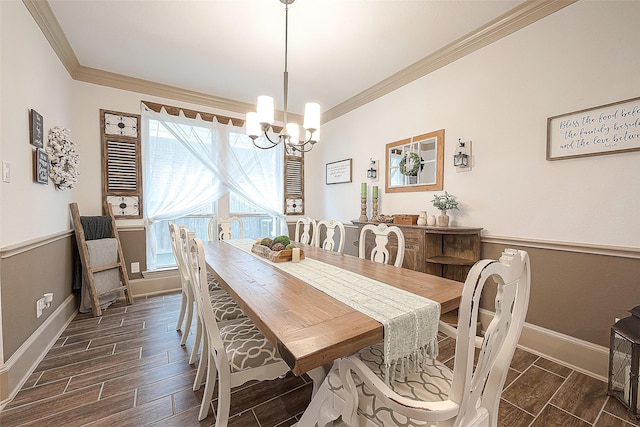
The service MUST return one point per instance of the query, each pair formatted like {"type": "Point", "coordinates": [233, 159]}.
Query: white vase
{"type": "Point", "coordinates": [422, 219]}
{"type": "Point", "coordinates": [431, 220]}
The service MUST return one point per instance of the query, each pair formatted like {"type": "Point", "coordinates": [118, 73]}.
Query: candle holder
{"type": "Point", "coordinates": [363, 210]}
{"type": "Point", "coordinates": [374, 208]}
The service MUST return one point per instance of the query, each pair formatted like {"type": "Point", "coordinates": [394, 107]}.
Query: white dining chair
{"type": "Point", "coordinates": [434, 394]}
{"type": "Point", "coordinates": [186, 305]}
{"type": "Point", "coordinates": [329, 242]}
{"type": "Point", "coordinates": [305, 230]}
{"type": "Point", "coordinates": [380, 252]}
{"type": "Point", "coordinates": [224, 307]}
{"type": "Point", "coordinates": [220, 228]}
{"type": "Point", "coordinates": [235, 352]}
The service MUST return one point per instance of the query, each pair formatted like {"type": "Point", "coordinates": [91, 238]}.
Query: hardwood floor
{"type": "Point", "coordinates": [127, 368]}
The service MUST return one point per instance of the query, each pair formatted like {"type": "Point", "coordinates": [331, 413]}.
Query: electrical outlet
{"type": "Point", "coordinates": [6, 171]}
{"type": "Point", "coordinates": [135, 267]}
{"type": "Point", "coordinates": [39, 307]}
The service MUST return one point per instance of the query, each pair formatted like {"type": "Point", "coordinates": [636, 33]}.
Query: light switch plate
{"type": "Point", "coordinates": [6, 171]}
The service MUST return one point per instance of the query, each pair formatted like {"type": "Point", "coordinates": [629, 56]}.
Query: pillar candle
{"type": "Point", "coordinates": [295, 255]}
{"type": "Point", "coordinates": [374, 192]}
{"type": "Point", "coordinates": [363, 190]}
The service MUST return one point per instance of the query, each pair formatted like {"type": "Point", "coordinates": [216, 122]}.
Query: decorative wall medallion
{"type": "Point", "coordinates": [124, 205]}
{"type": "Point", "coordinates": [115, 124]}
{"type": "Point", "coordinates": [294, 206]}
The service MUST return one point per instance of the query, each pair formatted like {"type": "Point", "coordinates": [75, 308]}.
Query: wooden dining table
{"type": "Point", "coordinates": [309, 328]}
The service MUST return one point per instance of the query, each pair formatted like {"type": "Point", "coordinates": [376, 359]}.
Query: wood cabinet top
{"type": "Point", "coordinates": [430, 228]}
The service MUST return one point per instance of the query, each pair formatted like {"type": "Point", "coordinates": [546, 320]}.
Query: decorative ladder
{"type": "Point", "coordinates": [88, 271]}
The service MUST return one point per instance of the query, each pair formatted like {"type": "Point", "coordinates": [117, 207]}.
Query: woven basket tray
{"type": "Point", "coordinates": [274, 256]}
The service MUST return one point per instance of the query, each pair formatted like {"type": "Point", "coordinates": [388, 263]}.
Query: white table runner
{"type": "Point", "coordinates": [410, 321]}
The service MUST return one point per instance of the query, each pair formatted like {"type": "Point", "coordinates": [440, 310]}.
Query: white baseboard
{"type": "Point", "coordinates": [15, 372]}
{"type": "Point", "coordinates": [583, 356]}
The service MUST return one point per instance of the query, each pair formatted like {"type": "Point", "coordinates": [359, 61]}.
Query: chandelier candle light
{"type": "Point", "coordinates": [260, 122]}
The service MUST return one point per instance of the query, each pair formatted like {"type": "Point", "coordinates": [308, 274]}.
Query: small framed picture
{"type": "Point", "coordinates": [37, 129]}
{"type": "Point", "coordinates": [41, 166]}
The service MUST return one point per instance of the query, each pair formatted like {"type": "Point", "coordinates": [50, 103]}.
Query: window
{"type": "Point", "coordinates": [194, 170]}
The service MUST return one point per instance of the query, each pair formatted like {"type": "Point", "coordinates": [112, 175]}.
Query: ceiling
{"type": "Point", "coordinates": [234, 49]}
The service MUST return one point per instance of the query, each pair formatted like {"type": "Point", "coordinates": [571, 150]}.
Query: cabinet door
{"type": "Point", "coordinates": [414, 249]}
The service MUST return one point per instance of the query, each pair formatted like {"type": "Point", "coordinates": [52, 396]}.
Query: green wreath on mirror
{"type": "Point", "coordinates": [410, 164]}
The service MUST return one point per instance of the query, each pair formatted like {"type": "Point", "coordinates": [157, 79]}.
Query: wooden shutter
{"type": "Point", "coordinates": [121, 163]}
{"type": "Point", "coordinates": [294, 183]}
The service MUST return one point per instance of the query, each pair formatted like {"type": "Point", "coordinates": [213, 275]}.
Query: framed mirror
{"type": "Point", "coordinates": [415, 164]}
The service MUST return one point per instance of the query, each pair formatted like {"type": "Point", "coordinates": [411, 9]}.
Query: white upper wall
{"type": "Point", "coordinates": [32, 78]}
{"type": "Point", "coordinates": [500, 98]}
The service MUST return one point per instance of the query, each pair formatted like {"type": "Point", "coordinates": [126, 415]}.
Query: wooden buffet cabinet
{"type": "Point", "coordinates": [443, 251]}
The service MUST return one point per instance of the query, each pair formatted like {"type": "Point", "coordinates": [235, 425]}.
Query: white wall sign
{"type": "Point", "coordinates": [339, 172]}
{"type": "Point", "coordinates": [611, 128]}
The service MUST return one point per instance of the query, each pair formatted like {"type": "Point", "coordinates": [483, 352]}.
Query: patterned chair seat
{"type": "Point", "coordinates": [224, 307]}
{"type": "Point", "coordinates": [246, 346]}
{"type": "Point", "coordinates": [213, 283]}
{"type": "Point", "coordinates": [431, 383]}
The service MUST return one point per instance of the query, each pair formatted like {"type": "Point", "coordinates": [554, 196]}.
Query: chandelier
{"type": "Point", "coordinates": [260, 121]}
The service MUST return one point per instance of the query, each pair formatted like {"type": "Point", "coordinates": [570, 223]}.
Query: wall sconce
{"type": "Point", "coordinates": [461, 160]}
{"type": "Point", "coordinates": [372, 172]}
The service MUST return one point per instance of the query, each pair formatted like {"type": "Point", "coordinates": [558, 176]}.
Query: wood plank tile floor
{"type": "Point", "coordinates": [127, 368]}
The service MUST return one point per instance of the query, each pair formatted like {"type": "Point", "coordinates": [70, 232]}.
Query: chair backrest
{"type": "Point", "coordinates": [220, 228]}
{"type": "Point", "coordinates": [380, 253]}
{"type": "Point", "coordinates": [197, 267]}
{"type": "Point", "coordinates": [305, 230]}
{"type": "Point", "coordinates": [176, 248]}
{"type": "Point", "coordinates": [478, 390]}
{"type": "Point", "coordinates": [329, 243]}
{"type": "Point", "coordinates": [174, 234]}
{"type": "Point", "coordinates": [181, 258]}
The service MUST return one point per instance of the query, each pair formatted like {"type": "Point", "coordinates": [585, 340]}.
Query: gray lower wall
{"type": "Point", "coordinates": [25, 278]}
{"type": "Point", "coordinates": [576, 294]}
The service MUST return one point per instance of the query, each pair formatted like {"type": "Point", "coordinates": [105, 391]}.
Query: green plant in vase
{"type": "Point", "coordinates": [444, 202]}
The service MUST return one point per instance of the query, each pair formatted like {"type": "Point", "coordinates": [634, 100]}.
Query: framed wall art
{"type": "Point", "coordinates": [339, 172]}
{"type": "Point", "coordinates": [606, 129]}
{"type": "Point", "coordinates": [41, 166]}
{"type": "Point", "coordinates": [36, 129]}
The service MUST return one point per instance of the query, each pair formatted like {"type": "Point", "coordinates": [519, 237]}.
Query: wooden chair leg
{"type": "Point", "coordinates": [183, 306]}
{"type": "Point", "coordinates": [224, 401]}
{"type": "Point", "coordinates": [188, 320]}
{"type": "Point", "coordinates": [202, 365]}
{"type": "Point", "coordinates": [212, 372]}
{"type": "Point", "coordinates": [196, 342]}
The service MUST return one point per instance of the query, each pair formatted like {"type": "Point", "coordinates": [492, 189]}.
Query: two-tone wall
{"type": "Point", "coordinates": [575, 217]}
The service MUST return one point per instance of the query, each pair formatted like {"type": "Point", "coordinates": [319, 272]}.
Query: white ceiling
{"type": "Point", "coordinates": [235, 48]}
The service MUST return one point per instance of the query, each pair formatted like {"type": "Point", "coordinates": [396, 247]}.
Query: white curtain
{"type": "Point", "coordinates": [210, 159]}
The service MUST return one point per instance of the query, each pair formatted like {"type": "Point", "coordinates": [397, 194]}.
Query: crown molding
{"type": "Point", "coordinates": [147, 87]}
{"type": "Point", "coordinates": [519, 17]}
{"type": "Point", "coordinates": [46, 20]}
